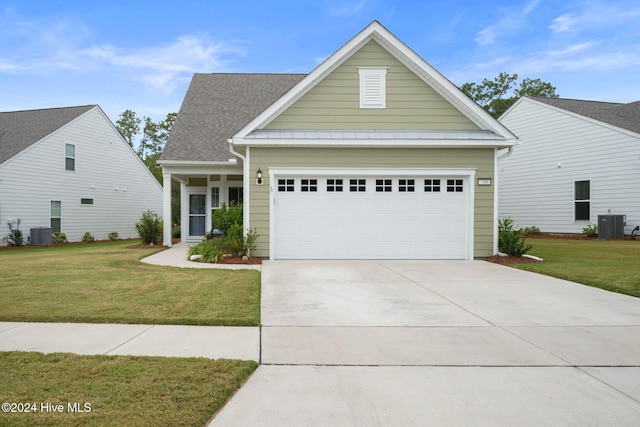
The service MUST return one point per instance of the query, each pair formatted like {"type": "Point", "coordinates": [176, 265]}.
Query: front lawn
{"type": "Point", "coordinates": [62, 389]}
{"type": "Point", "coordinates": [106, 283]}
{"type": "Point", "coordinates": [613, 265]}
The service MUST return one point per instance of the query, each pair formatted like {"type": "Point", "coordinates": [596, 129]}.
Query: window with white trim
{"type": "Point", "coordinates": [383, 185]}
{"type": "Point", "coordinates": [309, 185]}
{"type": "Point", "coordinates": [406, 185]}
{"type": "Point", "coordinates": [69, 157]}
{"type": "Point", "coordinates": [334, 185]}
{"type": "Point", "coordinates": [56, 216]}
{"type": "Point", "coordinates": [432, 185]}
{"type": "Point", "coordinates": [286, 185]}
{"type": "Point", "coordinates": [373, 87]}
{"type": "Point", "coordinates": [582, 200]}
{"type": "Point", "coordinates": [86, 201]}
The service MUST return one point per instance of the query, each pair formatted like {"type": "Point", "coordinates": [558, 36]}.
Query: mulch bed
{"type": "Point", "coordinates": [239, 260]}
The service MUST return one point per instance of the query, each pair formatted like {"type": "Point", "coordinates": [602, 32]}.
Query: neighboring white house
{"type": "Point", "coordinates": [575, 160]}
{"type": "Point", "coordinates": [70, 169]}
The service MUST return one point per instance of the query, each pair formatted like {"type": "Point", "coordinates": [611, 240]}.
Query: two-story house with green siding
{"type": "Point", "coordinates": [372, 155]}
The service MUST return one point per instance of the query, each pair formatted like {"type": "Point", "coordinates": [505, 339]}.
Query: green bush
{"type": "Point", "coordinates": [209, 250]}
{"type": "Point", "coordinates": [88, 238]}
{"type": "Point", "coordinates": [224, 217]}
{"type": "Point", "coordinates": [528, 231]}
{"type": "Point", "coordinates": [59, 237]}
{"type": "Point", "coordinates": [15, 238]}
{"type": "Point", "coordinates": [590, 231]}
{"type": "Point", "coordinates": [175, 231]}
{"type": "Point", "coordinates": [150, 228]}
{"type": "Point", "coordinates": [114, 235]}
{"type": "Point", "coordinates": [510, 241]}
{"type": "Point", "coordinates": [237, 243]}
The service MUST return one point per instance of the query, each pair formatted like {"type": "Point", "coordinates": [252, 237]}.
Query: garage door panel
{"type": "Point", "coordinates": [370, 224]}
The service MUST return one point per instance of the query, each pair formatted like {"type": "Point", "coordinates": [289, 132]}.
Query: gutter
{"type": "Point", "coordinates": [245, 185]}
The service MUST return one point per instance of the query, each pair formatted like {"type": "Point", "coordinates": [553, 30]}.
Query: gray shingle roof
{"type": "Point", "coordinates": [216, 107]}
{"type": "Point", "coordinates": [625, 116]}
{"type": "Point", "coordinates": [20, 129]}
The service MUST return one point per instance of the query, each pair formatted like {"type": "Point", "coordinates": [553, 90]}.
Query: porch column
{"type": "Point", "coordinates": [166, 209]}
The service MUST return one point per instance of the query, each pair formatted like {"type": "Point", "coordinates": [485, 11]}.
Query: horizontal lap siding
{"type": "Point", "coordinates": [480, 159]}
{"type": "Point", "coordinates": [535, 192]}
{"type": "Point", "coordinates": [334, 102]}
{"type": "Point", "coordinates": [35, 177]}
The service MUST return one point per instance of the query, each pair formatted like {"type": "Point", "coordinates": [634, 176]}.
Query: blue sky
{"type": "Point", "coordinates": [140, 55]}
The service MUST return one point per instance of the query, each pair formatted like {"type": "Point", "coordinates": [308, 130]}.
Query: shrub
{"type": "Point", "coordinates": [528, 231]}
{"type": "Point", "coordinates": [175, 231]}
{"type": "Point", "coordinates": [88, 238]}
{"type": "Point", "coordinates": [59, 237]}
{"type": "Point", "coordinates": [224, 217]}
{"type": "Point", "coordinates": [15, 238]}
{"type": "Point", "coordinates": [150, 228]}
{"type": "Point", "coordinates": [510, 241]}
{"type": "Point", "coordinates": [237, 243]}
{"type": "Point", "coordinates": [113, 235]}
{"type": "Point", "coordinates": [590, 231]}
{"type": "Point", "coordinates": [209, 250]}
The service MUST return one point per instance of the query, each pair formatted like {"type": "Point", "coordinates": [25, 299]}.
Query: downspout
{"type": "Point", "coordinates": [495, 196]}
{"type": "Point", "coordinates": [245, 185]}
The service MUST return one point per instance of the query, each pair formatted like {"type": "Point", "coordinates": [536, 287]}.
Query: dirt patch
{"type": "Point", "coordinates": [239, 260]}
{"type": "Point", "coordinates": [511, 260]}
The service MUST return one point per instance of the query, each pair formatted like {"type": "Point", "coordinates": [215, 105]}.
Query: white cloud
{"type": "Point", "coordinates": [511, 19]}
{"type": "Point", "coordinates": [351, 8]}
{"type": "Point", "coordinates": [593, 14]}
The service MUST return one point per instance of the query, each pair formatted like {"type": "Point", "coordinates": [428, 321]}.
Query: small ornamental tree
{"type": "Point", "coordinates": [510, 241]}
{"type": "Point", "coordinates": [150, 228]}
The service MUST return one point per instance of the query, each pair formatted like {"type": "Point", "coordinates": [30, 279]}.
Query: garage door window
{"type": "Point", "coordinates": [454, 185]}
{"type": "Point", "coordinates": [358, 185]}
{"type": "Point", "coordinates": [286, 185]}
{"type": "Point", "coordinates": [309, 185]}
{"type": "Point", "coordinates": [432, 185]}
{"type": "Point", "coordinates": [334, 185]}
{"type": "Point", "coordinates": [383, 185]}
{"type": "Point", "coordinates": [407, 185]}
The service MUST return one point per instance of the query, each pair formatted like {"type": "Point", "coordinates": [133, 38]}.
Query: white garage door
{"type": "Point", "coordinates": [370, 217]}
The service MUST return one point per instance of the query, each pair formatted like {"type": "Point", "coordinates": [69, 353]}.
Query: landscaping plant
{"type": "Point", "coordinates": [114, 235]}
{"type": "Point", "coordinates": [15, 238]}
{"type": "Point", "coordinates": [511, 241]}
{"type": "Point", "coordinates": [590, 231]}
{"type": "Point", "coordinates": [150, 228]}
{"type": "Point", "coordinates": [88, 238]}
{"type": "Point", "coordinates": [59, 237]}
{"type": "Point", "coordinates": [225, 217]}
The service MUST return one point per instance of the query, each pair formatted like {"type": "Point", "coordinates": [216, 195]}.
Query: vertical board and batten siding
{"type": "Point", "coordinates": [534, 191]}
{"type": "Point", "coordinates": [354, 158]}
{"type": "Point", "coordinates": [334, 102]}
{"type": "Point", "coordinates": [33, 178]}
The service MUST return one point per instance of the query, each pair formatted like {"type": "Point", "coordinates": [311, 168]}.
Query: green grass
{"type": "Point", "coordinates": [106, 283]}
{"type": "Point", "coordinates": [613, 265]}
{"type": "Point", "coordinates": [120, 390]}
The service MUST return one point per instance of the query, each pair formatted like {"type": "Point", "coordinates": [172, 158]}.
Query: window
{"type": "Point", "coordinates": [215, 197]}
{"type": "Point", "coordinates": [432, 185]}
{"type": "Point", "coordinates": [309, 185]}
{"type": "Point", "coordinates": [56, 216]}
{"type": "Point", "coordinates": [582, 200]}
{"type": "Point", "coordinates": [334, 185]}
{"type": "Point", "coordinates": [286, 185]}
{"type": "Point", "coordinates": [236, 195]}
{"type": "Point", "coordinates": [383, 185]}
{"type": "Point", "coordinates": [406, 185]}
{"type": "Point", "coordinates": [454, 185]}
{"type": "Point", "coordinates": [373, 82]}
{"type": "Point", "coordinates": [358, 185]}
{"type": "Point", "coordinates": [86, 201]}
{"type": "Point", "coordinates": [69, 157]}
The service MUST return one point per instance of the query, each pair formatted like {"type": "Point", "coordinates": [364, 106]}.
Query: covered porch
{"type": "Point", "coordinates": [204, 187]}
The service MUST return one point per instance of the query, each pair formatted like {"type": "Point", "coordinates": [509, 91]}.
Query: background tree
{"type": "Point", "coordinates": [497, 95]}
{"type": "Point", "coordinates": [128, 124]}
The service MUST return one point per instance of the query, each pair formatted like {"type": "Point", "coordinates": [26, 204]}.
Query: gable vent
{"type": "Point", "coordinates": [373, 87]}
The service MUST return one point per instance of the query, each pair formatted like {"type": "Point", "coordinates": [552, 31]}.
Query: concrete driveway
{"type": "Point", "coordinates": [414, 343]}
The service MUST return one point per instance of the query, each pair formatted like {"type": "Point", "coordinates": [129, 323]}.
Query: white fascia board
{"type": "Point", "coordinates": [197, 163]}
{"type": "Point", "coordinates": [299, 171]}
{"type": "Point", "coordinates": [371, 143]}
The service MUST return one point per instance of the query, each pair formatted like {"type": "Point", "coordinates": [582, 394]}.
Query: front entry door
{"type": "Point", "coordinates": [197, 212]}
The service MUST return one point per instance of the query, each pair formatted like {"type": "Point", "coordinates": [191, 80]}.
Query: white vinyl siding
{"type": "Point", "coordinates": [536, 182]}
{"type": "Point", "coordinates": [110, 173]}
